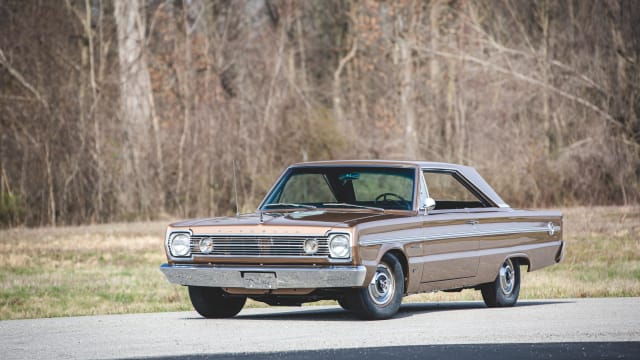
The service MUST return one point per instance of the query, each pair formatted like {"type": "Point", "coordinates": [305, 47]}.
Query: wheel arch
{"type": "Point", "coordinates": [522, 259]}
{"type": "Point", "coordinates": [398, 253]}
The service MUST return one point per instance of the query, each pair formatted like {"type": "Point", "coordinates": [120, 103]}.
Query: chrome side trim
{"type": "Point", "coordinates": [481, 253]}
{"type": "Point", "coordinates": [289, 277]}
{"type": "Point", "coordinates": [460, 234]}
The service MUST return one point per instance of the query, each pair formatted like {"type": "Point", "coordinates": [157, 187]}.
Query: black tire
{"type": "Point", "coordinates": [382, 298]}
{"type": "Point", "coordinates": [344, 303]}
{"type": "Point", "coordinates": [504, 290]}
{"type": "Point", "coordinates": [213, 303]}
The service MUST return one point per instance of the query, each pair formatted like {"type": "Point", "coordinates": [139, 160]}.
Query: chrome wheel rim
{"type": "Point", "coordinates": [507, 277]}
{"type": "Point", "coordinates": [382, 287]}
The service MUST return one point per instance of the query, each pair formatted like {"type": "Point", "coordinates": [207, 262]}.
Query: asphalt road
{"type": "Point", "coordinates": [567, 328]}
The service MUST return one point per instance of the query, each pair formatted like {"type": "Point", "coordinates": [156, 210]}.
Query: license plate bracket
{"type": "Point", "coordinates": [260, 280]}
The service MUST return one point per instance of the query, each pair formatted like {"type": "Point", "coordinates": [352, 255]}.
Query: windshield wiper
{"type": "Point", "coordinates": [290, 205]}
{"type": "Point", "coordinates": [354, 206]}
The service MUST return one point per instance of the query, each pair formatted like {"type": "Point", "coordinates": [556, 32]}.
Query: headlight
{"type": "Point", "coordinates": [339, 246]}
{"type": "Point", "coordinates": [206, 245]}
{"type": "Point", "coordinates": [180, 244]}
{"type": "Point", "coordinates": [311, 246]}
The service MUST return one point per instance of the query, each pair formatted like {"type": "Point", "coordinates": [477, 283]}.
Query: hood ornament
{"type": "Point", "coordinates": [261, 217]}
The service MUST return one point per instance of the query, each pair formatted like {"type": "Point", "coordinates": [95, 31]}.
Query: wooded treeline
{"type": "Point", "coordinates": [131, 109]}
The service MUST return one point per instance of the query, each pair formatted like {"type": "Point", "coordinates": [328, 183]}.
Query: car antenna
{"type": "Point", "coordinates": [235, 188]}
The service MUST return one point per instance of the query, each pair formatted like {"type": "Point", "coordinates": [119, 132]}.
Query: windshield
{"type": "Point", "coordinates": [375, 188]}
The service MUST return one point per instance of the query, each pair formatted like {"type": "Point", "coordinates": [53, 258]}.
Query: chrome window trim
{"type": "Point", "coordinates": [414, 195]}
{"type": "Point", "coordinates": [466, 183]}
{"type": "Point", "coordinates": [423, 193]}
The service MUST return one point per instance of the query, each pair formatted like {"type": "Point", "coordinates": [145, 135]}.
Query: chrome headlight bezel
{"type": "Point", "coordinates": [339, 246]}
{"type": "Point", "coordinates": [182, 249]}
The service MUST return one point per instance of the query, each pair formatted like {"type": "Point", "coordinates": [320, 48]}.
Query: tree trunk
{"type": "Point", "coordinates": [433, 121]}
{"type": "Point", "coordinates": [337, 89]}
{"type": "Point", "coordinates": [406, 100]}
{"type": "Point", "coordinates": [136, 109]}
{"type": "Point", "coordinates": [546, 108]}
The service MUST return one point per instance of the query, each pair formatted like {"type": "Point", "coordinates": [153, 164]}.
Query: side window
{"type": "Point", "coordinates": [449, 192]}
{"type": "Point", "coordinates": [306, 188]}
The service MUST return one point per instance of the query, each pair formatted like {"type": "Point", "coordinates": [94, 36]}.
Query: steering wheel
{"type": "Point", "coordinates": [383, 197]}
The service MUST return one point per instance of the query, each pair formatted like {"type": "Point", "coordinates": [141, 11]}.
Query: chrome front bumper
{"type": "Point", "coordinates": [274, 277]}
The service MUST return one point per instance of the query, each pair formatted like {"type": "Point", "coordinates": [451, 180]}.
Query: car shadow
{"type": "Point", "coordinates": [336, 313]}
{"type": "Point", "coordinates": [497, 351]}
{"type": "Point", "coordinates": [301, 313]}
{"type": "Point", "coordinates": [410, 309]}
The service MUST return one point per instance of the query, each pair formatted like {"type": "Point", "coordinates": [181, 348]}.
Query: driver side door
{"type": "Point", "coordinates": [450, 246]}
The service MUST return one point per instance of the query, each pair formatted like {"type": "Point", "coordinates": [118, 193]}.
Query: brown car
{"type": "Point", "coordinates": [365, 233]}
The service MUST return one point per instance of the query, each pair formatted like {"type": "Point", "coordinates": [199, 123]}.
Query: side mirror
{"type": "Point", "coordinates": [429, 205]}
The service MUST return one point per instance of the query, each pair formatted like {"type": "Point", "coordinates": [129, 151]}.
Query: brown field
{"type": "Point", "coordinates": [113, 268]}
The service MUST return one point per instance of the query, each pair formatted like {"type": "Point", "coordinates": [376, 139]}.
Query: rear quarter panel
{"type": "Point", "coordinates": [533, 237]}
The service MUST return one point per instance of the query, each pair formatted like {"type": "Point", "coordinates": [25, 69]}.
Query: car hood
{"type": "Point", "coordinates": [306, 218]}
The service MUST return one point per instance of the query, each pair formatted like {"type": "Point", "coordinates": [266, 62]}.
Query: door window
{"type": "Point", "coordinates": [450, 192]}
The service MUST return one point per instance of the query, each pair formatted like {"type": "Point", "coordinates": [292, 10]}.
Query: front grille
{"type": "Point", "coordinates": [259, 245]}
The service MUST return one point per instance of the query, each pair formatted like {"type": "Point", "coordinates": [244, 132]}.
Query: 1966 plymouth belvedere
{"type": "Point", "coordinates": [365, 233]}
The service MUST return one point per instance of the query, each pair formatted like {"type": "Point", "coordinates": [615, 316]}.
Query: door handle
{"type": "Point", "coordinates": [473, 222]}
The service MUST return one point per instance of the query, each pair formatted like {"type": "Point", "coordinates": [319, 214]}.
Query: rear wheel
{"type": "Point", "coordinates": [382, 298]}
{"type": "Point", "coordinates": [504, 290]}
{"type": "Point", "coordinates": [214, 303]}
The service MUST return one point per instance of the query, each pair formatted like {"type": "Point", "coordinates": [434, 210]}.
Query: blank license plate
{"type": "Point", "coordinates": [259, 280]}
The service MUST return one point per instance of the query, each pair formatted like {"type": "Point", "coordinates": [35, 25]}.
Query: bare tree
{"type": "Point", "coordinates": [122, 110]}
{"type": "Point", "coordinates": [137, 112]}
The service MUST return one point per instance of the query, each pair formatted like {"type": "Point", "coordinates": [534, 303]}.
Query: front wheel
{"type": "Point", "coordinates": [214, 303]}
{"type": "Point", "coordinates": [344, 303]}
{"type": "Point", "coordinates": [504, 290]}
{"type": "Point", "coordinates": [382, 298]}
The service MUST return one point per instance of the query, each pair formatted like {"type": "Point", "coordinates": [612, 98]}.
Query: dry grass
{"type": "Point", "coordinates": [113, 268]}
{"type": "Point", "coordinates": [85, 270]}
